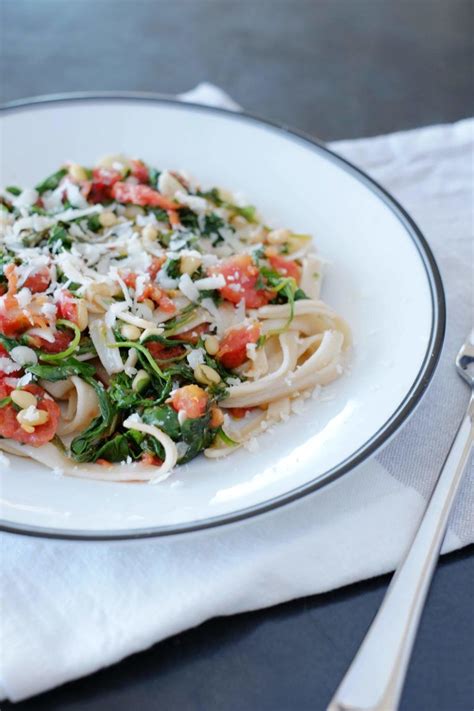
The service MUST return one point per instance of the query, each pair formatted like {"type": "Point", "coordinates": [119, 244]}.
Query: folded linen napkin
{"type": "Point", "coordinates": [69, 608]}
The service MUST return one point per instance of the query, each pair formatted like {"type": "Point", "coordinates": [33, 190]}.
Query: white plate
{"type": "Point", "coordinates": [382, 278]}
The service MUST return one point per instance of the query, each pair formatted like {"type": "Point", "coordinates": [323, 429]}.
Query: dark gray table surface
{"type": "Point", "coordinates": [339, 69]}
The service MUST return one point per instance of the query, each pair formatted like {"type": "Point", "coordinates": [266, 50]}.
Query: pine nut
{"type": "Point", "coordinates": [149, 233]}
{"type": "Point", "coordinates": [217, 417]}
{"type": "Point", "coordinates": [211, 344]}
{"type": "Point", "coordinates": [132, 211]}
{"type": "Point", "coordinates": [82, 315]}
{"type": "Point", "coordinates": [130, 333]}
{"type": "Point", "coordinates": [77, 172]}
{"type": "Point", "coordinates": [188, 265]}
{"type": "Point", "coordinates": [23, 398]}
{"type": "Point", "coordinates": [107, 219]}
{"type": "Point", "coordinates": [31, 418]}
{"type": "Point", "coordinates": [278, 236]}
{"type": "Point", "coordinates": [206, 375]}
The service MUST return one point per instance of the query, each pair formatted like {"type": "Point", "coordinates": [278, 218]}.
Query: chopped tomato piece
{"type": "Point", "coordinates": [233, 347]}
{"type": "Point", "coordinates": [285, 267]}
{"type": "Point", "coordinates": [140, 171]}
{"type": "Point", "coordinates": [163, 353]}
{"type": "Point", "coordinates": [66, 307]}
{"type": "Point", "coordinates": [103, 462]}
{"type": "Point", "coordinates": [239, 412]}
{"type": "Point", "coordinates": [11, 428]}
{"type": "Point", "coordinates": [217, 417]}
{"type": "Point", "coordinates": [151, 460]}
{"type": "Point", "coordinates": [155, 266]}
{"type": "Point", "coordinates": [190, 399]}
{"type": "Point", "coordinates": [38, 281]}
{"type": "Point", "coordinates": [62, 339]}
{"type": "Point", "coordinates": [4, 354]}
{"type": "Point", "coordinates": [166, 304]}
{"type": "Point", "coordinates": [13, 321]}
{"type": "Point", "coordinates": [130, 279]}
{"type": "Point", "coordinates": [103, 180]}
{"type": "Point", "coordinates": [173, 216]}
{"type": "Point", "coordinates": [193, 335]}
{"type": "Point", "coordinates": [241, 277]}
{"type": "Point", "coordinates": [140, 195]}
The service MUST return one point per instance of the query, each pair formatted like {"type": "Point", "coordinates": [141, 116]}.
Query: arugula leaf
{"type": "Point", "coordinates": [212, 196]}
{"type": "Point", "coordinates": [248, 212]}
{"type": "Point", "coordinates": [9, 343]}
{"type": "Point", "coordinates": [172, 268]}
{"type": "Point", "coordinates": [197, 435]}
{"type": "Point", "coordinates": [51, 182]}
{"type": "Point", "coordinates": [153, 176]}
{"type": "Point", "coordinates": [225, 438]}
{"type": "Point", "coordinates": [59, 237]}
{"type": "Point", "coordinates": [67, 368]}
{"type": "Point", "coordinates": [187, 314]}
{"type": "Point", "coordinates": [93, 223]}
{"type": "Point", "coordinates": [150, 361]}
{"type": "Point", "coordinates": [5, 401]}
{"type": "Point", "coordinates": [116, 449]}
{"type": "Point", "coordinates": [212, 224]}
{"type": "Point", "coordinates": [165, 418]}
{"type": "Point", "coordinates": [84, 447]}
{"type": "Point", "coordinates": [14, 190]}
{"type": "Point", "coordinates": [121, 393]}
{"type": "Point", "coordinates": [189, 219]}
{"type": "Point", "coordinates": [161, 215]}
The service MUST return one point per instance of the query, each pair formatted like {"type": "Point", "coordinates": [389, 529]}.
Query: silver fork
{"type": "Point", "coordinates": [374, 681]}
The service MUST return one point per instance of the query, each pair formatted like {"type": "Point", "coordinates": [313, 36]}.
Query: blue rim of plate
{"type": "Point", "coordinates": [383, 434]}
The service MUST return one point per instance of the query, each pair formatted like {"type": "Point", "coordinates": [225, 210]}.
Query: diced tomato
{"type": "Point", "coordinates": [239, 412]}
{"type": "Point", "coordinates": [192, 336]}
{"type": "Point", "coordinates": [174, 218]}
{"type": "Point", "coordinates": [155, 266]}
{"type": "Point", "coordinates": [38, 281]}
{"type": "Point", "coordinates": [4, 354]}
{"type": "Point", "coordinates": [166, 304]}
{"type": "Point", "coordinates": [140, 171]}
{"type": "Point", "coordinates": [233, 347]}
{"type": "Point", "coordinates": [62, 339]}
{"type": "Point", "coordinates": [103, 179]}
{"type": "Point", "coordinates": [217, 417]}
{"type": "Point", "coordinates": [66, 306]}
{"type": "Point", "coordinates": [163, 353]}
{"type": "Point", "coordinates": [190, 399]}
{"type": "Point", "coordinates": [13, 321]}
{"type": "Point", "coordinates": [11, 428]}
{"type": "Point", "coordinates": [140, 195]}
{"type": "Point", "coordinates": [130, 279]}
{"type": "Point", "coordinates": [285, 267]}
{"type": "Point", "coordinates": [241, 276]}
{"type": "Point", "coordinates": [151, 460]}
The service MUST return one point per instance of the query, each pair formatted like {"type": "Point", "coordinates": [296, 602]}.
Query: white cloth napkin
{"type": "Point", "coordinates": [68, 609]}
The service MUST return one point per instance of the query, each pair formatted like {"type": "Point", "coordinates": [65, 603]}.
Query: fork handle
{"type": "Point", "coordinates": [374, 681]}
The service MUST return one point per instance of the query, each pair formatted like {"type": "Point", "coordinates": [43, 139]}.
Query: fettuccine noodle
{"type": "Point", "coordinates": [144, 320]}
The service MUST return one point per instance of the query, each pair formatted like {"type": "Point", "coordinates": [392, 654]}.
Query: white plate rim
{"type": "Point", "coordinates": [383, 434]}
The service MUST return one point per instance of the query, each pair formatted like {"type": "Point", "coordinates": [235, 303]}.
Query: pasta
{"type": "Point", "coordinates": [144, 320]}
